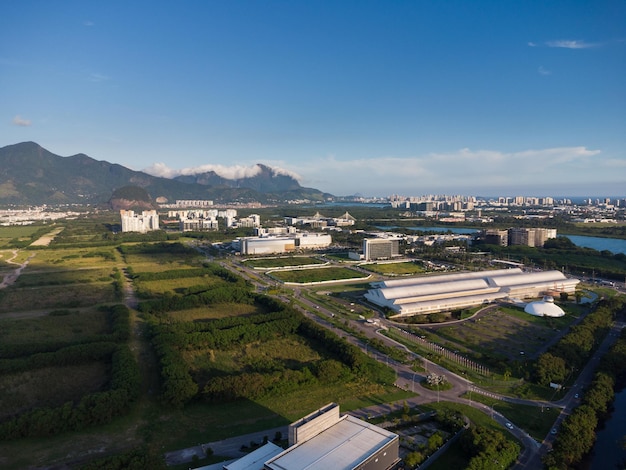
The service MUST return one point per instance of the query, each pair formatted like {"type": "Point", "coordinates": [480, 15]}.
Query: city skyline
{"type": "Point", "coordinates": [350, 97]}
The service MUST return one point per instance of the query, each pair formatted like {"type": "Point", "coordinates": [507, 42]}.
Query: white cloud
{"type": "Point", "coordinates": [98, 77]}
{"type": "Point", "coordinates": [229, 172]}
{"type": "Point", "coordinates": [570, 44]}
{"type": "Point", "coordinates": [462, 171]}
{"type": "Point", "coordinates": [543, 71]}
{"type": "Point", "coordinates": [20, 121]}
{"type": "Point", "coordinates": [443, 172]}
{"type": "Point", "coordinates": [531, 44]}
{"type": "Point", "coordinates": [88, 23]}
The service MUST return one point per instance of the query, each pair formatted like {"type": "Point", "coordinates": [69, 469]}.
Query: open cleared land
{"type": "Point", "coordinates": [61, 326]}
{"type": "Point", "coordinates": [49, 386]}
{"type": "Point", "coordinates": [55, 297]}
{"type": "Point", "coordinates": [502, 333]}
{"type": "Point", "coordinates": [317, 275]}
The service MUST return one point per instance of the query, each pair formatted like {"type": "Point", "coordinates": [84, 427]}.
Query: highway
{"type": "Point", "coordinates": [406, 378]}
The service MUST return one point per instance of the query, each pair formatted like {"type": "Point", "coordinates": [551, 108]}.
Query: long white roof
{"type": "Point", "coordinates": [425, 293]}
{"type": "Point", "coordinates": [432, 279]}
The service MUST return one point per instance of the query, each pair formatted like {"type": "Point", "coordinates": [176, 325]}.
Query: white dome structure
{"type": "Point", "coordinates": [545, 307]}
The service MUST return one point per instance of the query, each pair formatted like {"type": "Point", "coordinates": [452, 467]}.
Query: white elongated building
{"type": "Point", "coordinates": [431, 294]}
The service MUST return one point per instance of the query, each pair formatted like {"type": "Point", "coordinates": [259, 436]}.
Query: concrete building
{"type": "Point", "coordinates": [536, 236]}
{"type": "Point", "coordinates": [193, 203]}
{"type": "Point", "coordinates": [530, 236]}
{"type": "Point", "coordinates": [320, 221]}
{"type": "Point", "coordinates": [325, 440]}
{"type": "Point", "coordinates": [146, 222]}
{"type": "Point", "coordinates": [497, 237]}
{"type": "Point", "coordinates": [431, 294]}
{"type": "Point", "coordinates": [380, 248]}
{"type": "Point", "coordinates": [252, 221]}
{"type": "Point", "coordinates": [283, 244]}
{"type": "Point", "coordinates": [198, 225]}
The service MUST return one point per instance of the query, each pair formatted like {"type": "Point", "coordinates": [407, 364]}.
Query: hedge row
{"type": "Point", "coordinates": [119, 319]}
{"type": "Point", "coordinates": [93, 409]}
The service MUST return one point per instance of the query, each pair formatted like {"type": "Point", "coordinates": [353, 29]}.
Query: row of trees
{"type": "Point", "coordinates": [212, 295]}
{"type": "Point", "coordinates": [119, 321]}
{"type": "Point", "coordinates": [561, 252]}
{"type": "Point", "coordinates": [577, 435]}
{"type": "Point", "coordinates": [93, 409]}
{"type": "Point", "coordinates": [572, 351]}
{"type": "Point", "coordinates": [342, 360]}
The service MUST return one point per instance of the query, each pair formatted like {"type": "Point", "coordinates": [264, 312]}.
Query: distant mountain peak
{"type": "Point", "coordinates": [30, 174]}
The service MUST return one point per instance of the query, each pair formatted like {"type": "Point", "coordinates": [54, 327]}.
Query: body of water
{"type": "Point", "coordinates": [614, 245]}
{"type": "Point", "coordinates": [608, 452]}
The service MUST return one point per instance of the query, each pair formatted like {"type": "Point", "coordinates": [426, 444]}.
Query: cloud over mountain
{"type": "Point", "coordinates": [234, 172]}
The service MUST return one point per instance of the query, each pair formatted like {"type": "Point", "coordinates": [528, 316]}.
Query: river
{"type": "Point", "coordinates": [608, 452]}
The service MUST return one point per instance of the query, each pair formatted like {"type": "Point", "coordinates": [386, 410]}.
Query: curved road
{"type": "Point", "coordinates": [529, 458]}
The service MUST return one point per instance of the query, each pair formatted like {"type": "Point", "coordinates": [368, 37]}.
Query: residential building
{"type": "Point", "coordinates": [144, 222]}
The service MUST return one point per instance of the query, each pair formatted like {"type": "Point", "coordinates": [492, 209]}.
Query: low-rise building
{"type": "Point", "coordinates": [431, 294]}
{"type": "Point", "coordinates": [326, 440]}
{"type": "Point", "coordinates": [264, 245]}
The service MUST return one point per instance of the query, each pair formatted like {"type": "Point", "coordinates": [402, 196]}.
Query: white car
{"type": "Point", "coordinates": [509, 425]}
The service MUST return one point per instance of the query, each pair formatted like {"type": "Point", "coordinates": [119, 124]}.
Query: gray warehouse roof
{"type": "Point", "coordinates": [343, 446]}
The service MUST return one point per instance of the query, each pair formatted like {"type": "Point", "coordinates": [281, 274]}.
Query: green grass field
{"type": "Point", "coordinates": [317, 275]}
{"type": "Point", "coordinates": [212, 312]}
{"type": "Point", "coordinates": [399, 269]}
{"type": "Point", "coordinates": [282, 262]}
{"type": "Point", "coordinates": [56, 297]}
{"type": "Point", "coordinates": [503, 332]}
{"type": "Point", "coordinates": [60, 277]}
{"type": "Point", "coordinates": [74, 326]}
{"type": "Point", "coordinates": [17, 232]}
{"type": "Point", "coordinates": [49, 386]}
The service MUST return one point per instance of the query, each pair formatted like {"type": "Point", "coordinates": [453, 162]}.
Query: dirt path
{"type": "Point", "coordinates": [10, 278]}
{"type": "Point", "coordinates": [45, 240]}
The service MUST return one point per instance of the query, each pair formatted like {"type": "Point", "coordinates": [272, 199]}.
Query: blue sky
{"type": "Point", "coordinates": [370, 97]}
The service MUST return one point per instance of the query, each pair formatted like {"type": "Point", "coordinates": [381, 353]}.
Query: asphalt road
{"type": "Point", "coordinates": [406, 378]}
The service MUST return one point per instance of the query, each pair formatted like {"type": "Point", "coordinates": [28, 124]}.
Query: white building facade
{"type": "Point", "coordinates": [144, 222]}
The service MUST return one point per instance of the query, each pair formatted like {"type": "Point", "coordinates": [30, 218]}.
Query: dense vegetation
{"type": "Point", "coordinates": [488, 448]}
{"type": "Point", "coordinates": [561, 253]}
{"type": "Point", "coordinates": [92, 409]}
{"type": "Point", "coordinates": [573, 350]}
{"type": "Point", "coordinates": [339, 360]}
{"type": "Point", "coordinates": [577, 435]}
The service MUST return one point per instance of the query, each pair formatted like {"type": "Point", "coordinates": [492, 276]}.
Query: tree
{"type": "Point", "coordinates": [413, 459]}
{"type": "Point", "coordinates": [550, 368]}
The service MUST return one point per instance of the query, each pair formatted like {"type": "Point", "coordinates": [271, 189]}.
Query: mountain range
{"type": "Point", "coordinates": [32, 175]}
